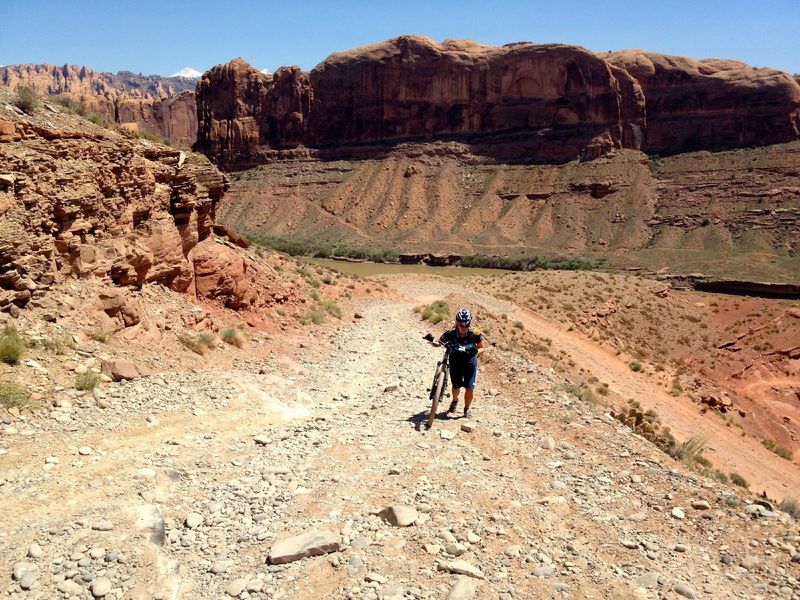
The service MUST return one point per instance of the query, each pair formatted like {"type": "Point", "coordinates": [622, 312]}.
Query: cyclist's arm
{"type": "Point", "coordinates": [479, 346]}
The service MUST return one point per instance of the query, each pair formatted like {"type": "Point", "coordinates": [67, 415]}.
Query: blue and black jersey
{"type": "Point", "coordinates": [472, 336]}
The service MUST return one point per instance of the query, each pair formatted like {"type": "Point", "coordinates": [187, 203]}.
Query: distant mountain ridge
{"type": "Point", "coordinates": [163, 106]}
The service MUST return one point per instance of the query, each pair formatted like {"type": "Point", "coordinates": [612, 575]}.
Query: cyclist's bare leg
{"type": "Point", "coordinates": [468, 394]}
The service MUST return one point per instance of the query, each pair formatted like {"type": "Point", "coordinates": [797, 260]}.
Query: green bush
{"type": "Point", "coordinates": [737, 479]}
{"type": "Point", "coordinates": [330, 307]}
{"type": "Point", "coordinates": [691, 451]}
{"type": "Point", "coordinates": [636, 366]}
{"type": "Point", "coordinates": [198, 344]}
{"type": "Point", "coordinates": [26, 100]}
{"type": "Point", "coordinates": [232, 336]}
{"type": "Point", "coordinates": [86, 381]}
{"type": "Point", "coordinates": [12, 395]}
{"type": "Point", "coordinates": [781, 451]}
{"type": "Point", "coordinates": [12, 345]}
{"type": "Point", "coordinates": [436, 312]}
{"type": "Point", "coordinates": [581, 392]}
{"type": "Point", "coordinates": [76, 107]}
{"type": "Point", "coordinates": [98, 120]}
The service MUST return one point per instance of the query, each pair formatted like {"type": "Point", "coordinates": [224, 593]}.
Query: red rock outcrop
{"type": "Point", "coordinates": [521, 101]}
{"type": "Point", "coordinates": [85, 201]}
{"type": "Point", "coordinates": [711, 104]}
{"type": "Point", "coordinates": [163, 106]}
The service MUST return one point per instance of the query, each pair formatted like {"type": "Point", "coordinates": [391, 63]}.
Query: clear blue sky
{"type": "Point", "coordinates": [163, 37]}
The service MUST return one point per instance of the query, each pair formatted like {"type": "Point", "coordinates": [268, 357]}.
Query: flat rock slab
{"type": "Point", "coordinates": [122, 369]}
{"type": "Point", "coordinates": [311, 543]}
{"type": "Point", "coordinates": [399, 515]}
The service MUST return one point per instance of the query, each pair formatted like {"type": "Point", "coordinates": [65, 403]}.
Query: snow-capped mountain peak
{"type": "Point", "coordinates": [188, 72]}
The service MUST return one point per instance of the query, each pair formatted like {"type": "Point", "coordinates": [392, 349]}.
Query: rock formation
{"type": "Point", "coordinates": [711, 104]}
{"type": "Point", "coordinates": [83, 201]}
{"type": "Point", "coordinates": [520, 102]}
{"type": "Point", "coordinates": [517, 102]}
{"type": "Point", "coordinates": [163, 106]}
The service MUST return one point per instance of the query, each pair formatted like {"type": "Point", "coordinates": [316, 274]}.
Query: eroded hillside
{"type": "Point", "coordinates": [733, 213]}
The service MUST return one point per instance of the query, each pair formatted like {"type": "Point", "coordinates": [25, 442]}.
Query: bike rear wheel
{"type": "Point", "coordinates": [437, 392]}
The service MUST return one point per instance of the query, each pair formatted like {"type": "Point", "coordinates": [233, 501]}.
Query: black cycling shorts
{"type": "Point", "coordinates": [463, 375]}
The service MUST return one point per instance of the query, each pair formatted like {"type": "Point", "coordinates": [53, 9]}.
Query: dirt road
{"type": "Point", "coordinates": [182, 485]}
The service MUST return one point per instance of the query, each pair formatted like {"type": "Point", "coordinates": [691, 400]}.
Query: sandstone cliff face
{"type": "Point", "coordinates": [711, 104]}
{"type": "Point", "coordinates": [84, 201]}
{"type": "Point", "coordinates": [522, 101]}
{"type": "Point", "coordinates": [160, 105]}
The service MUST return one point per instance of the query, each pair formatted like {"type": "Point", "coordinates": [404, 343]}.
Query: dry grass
{"type": "Point", "coordinates": [13, 395]}
{"type": "Point", "coordinates": [12, 346]}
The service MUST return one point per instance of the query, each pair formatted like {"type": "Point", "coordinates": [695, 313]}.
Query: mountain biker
{"type": "Point", "coordinates": [464, 359]}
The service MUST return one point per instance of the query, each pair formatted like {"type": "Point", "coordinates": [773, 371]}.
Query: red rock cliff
{"type": "Point", "coordinates": [163, 106]}
{"type": "Point", "coordinates": [711, 104]}
{"type": "Point", "coordinates": [80, 200]}
{"type": "Point", "coordinates": [522, 101]}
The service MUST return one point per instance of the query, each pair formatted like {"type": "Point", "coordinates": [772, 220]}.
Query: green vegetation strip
{"type": "Point", "coordinates": [295, 247]}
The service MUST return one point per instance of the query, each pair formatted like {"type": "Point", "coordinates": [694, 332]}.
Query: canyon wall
{"type": "Point", "coordinates": [523, 102]}
{"type": "Point", "coordinates": [163, 106]}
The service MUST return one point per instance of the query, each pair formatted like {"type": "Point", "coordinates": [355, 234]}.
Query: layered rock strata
{"type": "Point", "coordinates": [82, 201]}
{"type": "Point", "coordinates": [516, 102]}
{"type": "Point", "coordinates": [163, 106]}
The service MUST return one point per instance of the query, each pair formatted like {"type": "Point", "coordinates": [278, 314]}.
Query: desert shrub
{"type": "Point", "coordinates": [330, 307]}
{"type": "Point", "coordinates": [719, 476]}
{"type": "Point", "coordinates": [12, 395]}
{"type": "Point", "coordinates": [581, 392]}
{"type": "Point", "coordinates": [198, 344]}
{"type": "Point", "coordinates": [101, 335]}
{"type": "Point", "coordinates": [790, 507]}
{"type": "Point", "coordinates": [152, 137]}
{"type": "Point", "coordinates": [76, 107]}
{"type": "Point", "coordinates": [86, 381]}
{"type": "Point", "coordinates": [98, 120]}
{"type": "Point", "coordinates": [737, 479]}
{"type": "Point", "coordinates": [327, 280]}
{"type": "Point", "coordinates": [636, 366]}
{"type": "Point", "coordinates": [281, 311]}
{"type": "Point", "coordinates": [26, 100]}
{"type": "Point", "coordinates": [691, 451]}
{"type": "Point", "coordinates": [677, 388]}
{"type": "Point", "coordinates": [314, 295]}
{"type": "Point", "coordinates": [781, 451]}
{"type": "Point", "coordinates": [436, 312]}
{"type": "Point", "coordinates": [12, 346]}
{"type": "Point", "coordinates": [315, 316]}
{"type": "Point", "coordinates": [57, 345]}
{"type": "Point", "coordinates": [232, 336]}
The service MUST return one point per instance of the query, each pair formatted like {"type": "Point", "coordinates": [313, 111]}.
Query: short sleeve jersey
{"type": "Point", "coordinates": [472, 336]}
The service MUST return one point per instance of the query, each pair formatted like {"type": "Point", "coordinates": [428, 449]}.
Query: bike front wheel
{"type": "Point", "coordinates": [437, 392]}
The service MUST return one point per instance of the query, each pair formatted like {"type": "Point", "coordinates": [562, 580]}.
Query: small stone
{"type": "Point", "coordinates": [685, 591]}
{"type": "Point", "coordinates": [700, 505]}
{"type": "Point", "coordinates": [101, 586]}
{"type": "Point", "coordinates": [254, 585]}
{"type": "Point", "coordinates": [446, 434]}
{"type": "Point", "coordinates": [218, 567]}
{"type": "Point", "coordinates": [35, 551]}
{"type": "Point", "coordinates": [70, 588]}
{"type": "Point", "coordinates": [375, 577]}
{"type": "Point", "coordinates": [27, 580]}
{"type": "Point", "coordinates": [678, 513]}
{"type": "Point", "coordinates": [467, 428]}
{"type": "Point", "coordinates": [235, 587]}
{"type": "Point", "coordinates": [391, 388]}
{"type": "Point", "coordinates": [680, 548]}
{"type": "Point", "coordinates": [544, 571]}
{"type": "Point", "coordinates": [262, 439]}
{"type": "Point", "coordinates": [19, 570]}
{"type": "Point", "coordinates": [464, 589]}
{"type": "Point", "coordinates": [549, 444]}
{"type": "Point", "coordinates": [84, 450]}
{"type": "Point", "coordinates": [461, 567]}
{"type": "Point", "coordinates": [194, 520]}
{"type": "Point", "coordinates": [104, 525]}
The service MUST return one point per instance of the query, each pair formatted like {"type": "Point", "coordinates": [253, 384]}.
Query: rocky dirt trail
{"type": "Point", "coordinates": [193, 485]}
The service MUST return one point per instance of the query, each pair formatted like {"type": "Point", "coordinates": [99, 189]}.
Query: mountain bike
{"type": "Point", "coordinates": [440, 376]}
